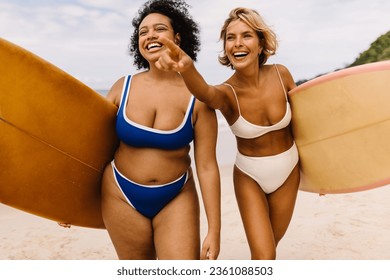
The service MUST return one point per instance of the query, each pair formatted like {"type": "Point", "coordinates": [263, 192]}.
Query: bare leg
{"type": "Point", "coordinates": [130, 232]}
{"type": "Point", "coordinates": [282, 203]}
{"type": "Point", "coordinates": [177, 226]}
{"type": "Point", "coordinates": [265, 217]}
{"type": "Point", "coordinates": [253, 206]}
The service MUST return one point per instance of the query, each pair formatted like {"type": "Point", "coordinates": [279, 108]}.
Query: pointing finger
{"type": "Point", "coordinates": [175, 49]}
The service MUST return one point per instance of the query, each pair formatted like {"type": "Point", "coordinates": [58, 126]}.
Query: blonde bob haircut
{"type": "Point", "coordinates": [253, 19]}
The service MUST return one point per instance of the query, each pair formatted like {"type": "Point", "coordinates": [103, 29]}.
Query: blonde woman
{"type": "Point", "coordinates": [254, 102]}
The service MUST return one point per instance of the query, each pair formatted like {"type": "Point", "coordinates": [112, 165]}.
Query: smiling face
{"type": "Point", "coordinates": [242, 45]}
{"type": "Point", "coordinates": [151, 29]}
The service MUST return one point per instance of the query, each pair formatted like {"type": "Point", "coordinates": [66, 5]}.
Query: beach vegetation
{"type": "Point", "coordinates": [379, 50]}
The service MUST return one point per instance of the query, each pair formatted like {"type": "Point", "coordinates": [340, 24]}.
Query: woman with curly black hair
{"type": "Point", "coordinates": [149, 201]}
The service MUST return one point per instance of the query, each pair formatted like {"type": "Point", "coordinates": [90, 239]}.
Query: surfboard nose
{"type": "Point", "coordinates": [341, 124]}
{"type": "Point", "coordinates": [57, 135]}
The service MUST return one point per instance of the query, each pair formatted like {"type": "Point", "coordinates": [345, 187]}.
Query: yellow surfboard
{"type": "Point", "coordinates": [341, 124]}
{"type": "Point", "coordinates": [56, 137]}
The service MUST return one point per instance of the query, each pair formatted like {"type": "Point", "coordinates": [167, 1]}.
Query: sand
{"type": "Point", "coordinates": [351, 226]}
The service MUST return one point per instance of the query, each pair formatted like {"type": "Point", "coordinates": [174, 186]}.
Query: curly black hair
{"type": "Point", "coordinates": [182, 23]}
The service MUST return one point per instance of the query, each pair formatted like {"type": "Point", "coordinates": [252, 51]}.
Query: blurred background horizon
{"type": "Point", "coordinates": [89, 39]}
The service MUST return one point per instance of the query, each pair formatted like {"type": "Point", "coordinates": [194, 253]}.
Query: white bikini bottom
{"type": "Point", "coordinates": [269, 172]}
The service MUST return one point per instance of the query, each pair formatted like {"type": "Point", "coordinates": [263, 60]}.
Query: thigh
{"type": "Point", "coordinates": [253, 206]}
{"type": "Point", "coordinates": [282, 203]}
{"type": "Point", "coordinates": [177, 226]}
{"type": "Point", "coordinates": [131, 233]}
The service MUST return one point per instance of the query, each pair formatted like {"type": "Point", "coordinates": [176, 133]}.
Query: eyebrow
{"type": "Point", "coordinates": [154, 26]}
{"type": "Point", "coordinates": [244, 33]}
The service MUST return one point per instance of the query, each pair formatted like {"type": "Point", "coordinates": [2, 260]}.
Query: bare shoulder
{"type": "Point", "coordinates": [114, 95]}
{"type": "Point", "coordinates": [283, 70]}
{"type": "Point", "coordinates": [287, 78]}
{"type": "Point", "coordinates": [202, 108]}
{"type": "Point", "coordinates": [204, 116]}
{"type": "Point", "coordinates": [224, 90]}
{"type": "Point", "coordinates": [228, 92]}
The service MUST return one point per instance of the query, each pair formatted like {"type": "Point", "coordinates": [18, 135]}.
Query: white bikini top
{"type": "Point", "coordinates": [244, 129]}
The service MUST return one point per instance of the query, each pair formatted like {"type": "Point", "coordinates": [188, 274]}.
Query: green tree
{"type": "Point", "coordinates": [378, 51]}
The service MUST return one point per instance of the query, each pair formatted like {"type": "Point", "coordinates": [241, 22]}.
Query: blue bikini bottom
{"type": "Point", "coordinates": [148, 199]}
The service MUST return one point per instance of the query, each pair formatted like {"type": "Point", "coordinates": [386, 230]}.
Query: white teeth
{"type": "Point", "coordinates": [240, 54]}
{"type": "Point", "coordinates": [153, 45]}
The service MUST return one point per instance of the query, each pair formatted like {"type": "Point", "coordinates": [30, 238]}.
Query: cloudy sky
{"type": "Point", "coordinates": [89, 38]}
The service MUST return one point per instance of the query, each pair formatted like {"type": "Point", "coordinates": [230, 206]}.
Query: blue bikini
{"type": "Point", "coordinates": [136, 135]}
{"type": "Point", "coordinates": [149, 200]}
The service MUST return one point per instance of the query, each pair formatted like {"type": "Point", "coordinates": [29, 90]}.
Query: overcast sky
{"type": "Point", "coordinates": [89, 38]}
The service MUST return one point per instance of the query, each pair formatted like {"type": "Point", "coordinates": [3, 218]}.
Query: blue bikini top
{"type": "Point", "coordinates": [137, 135]}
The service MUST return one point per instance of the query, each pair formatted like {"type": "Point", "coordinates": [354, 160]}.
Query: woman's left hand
{"type": "Point", "coordinates": [211, 247]}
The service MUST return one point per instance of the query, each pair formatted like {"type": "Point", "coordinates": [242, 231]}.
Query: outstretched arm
{"type": "Point", "coordinates": [175, 59]}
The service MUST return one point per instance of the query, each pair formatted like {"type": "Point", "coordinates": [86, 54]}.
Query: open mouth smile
{"type": "Point", "coordinates": [153, 45]}
{"type": "Point", "coordinates": [240, 54]}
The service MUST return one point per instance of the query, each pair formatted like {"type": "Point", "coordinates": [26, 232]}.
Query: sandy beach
{"type": "Point", "coordinates": [351, 226]}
